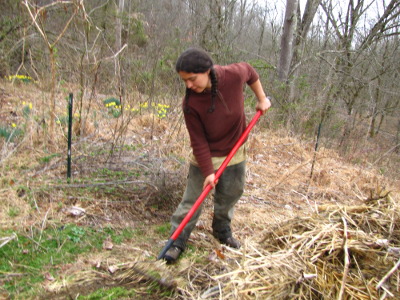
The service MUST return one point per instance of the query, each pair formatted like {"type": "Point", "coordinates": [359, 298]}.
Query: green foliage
{"type": "Point", "coordinates": [302, 83]}
{"type": "Point", "coordinates": [111, 102]}
{"type": "Point", "coordinates": [261, 64]}
{"type": "Point", "coordinates": [163, 229]}
{"type": "Point", "coordinates": [9, 134]}
{"type": "Point", "coordinates": [26, 111]}
{"type": "Point", "coordinates": [13, 211]}
{"type": "Point", "coordinates": [119, 236]}
{"type": "Point", "coordinates": [62, 120]}
{"type": "Point", "coordinates": [114, 107]}
{"type": "Point", "coordinates": [37, 252]}
{"type": "Point", "coordinates": [20, 78]}
{"type": "Point", "coordinates": [115, 174]}
{"type": "Point", "coordinates": [76, 233]}
{"type": "Point", "coordinates": [108, 294]}
{"type": "Point", "coordinates": [137, 33]}
{"type": "Point", "coordinates": [48, 158]}
{"type": "Point", "coordinates": [161, 109]}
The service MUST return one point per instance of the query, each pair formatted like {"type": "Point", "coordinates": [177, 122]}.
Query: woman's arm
{"type": "Point", "coordinates": [263, 103]}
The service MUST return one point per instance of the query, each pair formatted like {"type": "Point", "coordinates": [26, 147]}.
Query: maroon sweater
{"type": "Point", "coordinates": [214, 134]}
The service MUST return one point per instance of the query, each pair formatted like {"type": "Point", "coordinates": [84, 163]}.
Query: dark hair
{"type": "Point", "coordinates": [198, 61]}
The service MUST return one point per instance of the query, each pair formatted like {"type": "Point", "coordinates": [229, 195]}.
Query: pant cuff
{"type": "Point", "coordinates": [222, 234]}
{"type": "Point", "coordinates": [180, 243]}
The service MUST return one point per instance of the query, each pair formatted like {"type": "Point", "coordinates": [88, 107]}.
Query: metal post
{"type": "Point", "coordinates": [70, 101]}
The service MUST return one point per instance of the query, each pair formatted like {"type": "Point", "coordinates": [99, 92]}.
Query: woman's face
{"type": "Point", "coordinates": [197, 82]}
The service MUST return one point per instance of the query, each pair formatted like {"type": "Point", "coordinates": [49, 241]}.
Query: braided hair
{"type": "Point", "coordinates": [198, 61]}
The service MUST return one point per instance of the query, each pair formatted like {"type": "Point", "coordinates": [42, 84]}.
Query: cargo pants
{"type": "Point", "coordinates": [226, 194]}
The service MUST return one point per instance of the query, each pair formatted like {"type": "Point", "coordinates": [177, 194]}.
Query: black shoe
{"type": "Point", "coordinates": [231, 242]}
{"type": "Point", "coordinates": [172, 254]}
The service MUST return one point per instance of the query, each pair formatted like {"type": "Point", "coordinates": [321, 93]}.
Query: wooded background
{"type": "Point", "coordinates": [332, 67]}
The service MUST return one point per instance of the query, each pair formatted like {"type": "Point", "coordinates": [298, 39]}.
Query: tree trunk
{"type": "Point", "coordinates": [286, 53]}
{"type": "Point", "coordinates": [263, 23]}
{"type": "Point", "coordinates": [304, 23]}
{"type": "Point", "coordinates": [52, 94]}
{"type": "Point", "coordinates": [398, 138]}
{"type": "Point", "coordinates": [118, 27]}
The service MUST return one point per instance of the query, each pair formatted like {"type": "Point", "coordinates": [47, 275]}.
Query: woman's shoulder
{"type": "Point", "coordinates": [240, 70]}
{"type": "Point", "coordinates": [238, 66]}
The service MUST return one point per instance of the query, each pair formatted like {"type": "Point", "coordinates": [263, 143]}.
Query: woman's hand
{"type": "Point", "coordinates": [263, 105]}
{"type": "Point", "coordinates": [210, 180]}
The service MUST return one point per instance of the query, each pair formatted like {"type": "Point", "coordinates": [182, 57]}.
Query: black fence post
{"type": "Point", "coordinates": [70, 102]}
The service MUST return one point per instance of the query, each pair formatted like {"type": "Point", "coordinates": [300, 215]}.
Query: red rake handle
{"type": "Point", "coordinates": [208, 188]}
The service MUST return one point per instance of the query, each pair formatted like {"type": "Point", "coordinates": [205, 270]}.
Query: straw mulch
{"type": "Point", "coordinates": [343, 252]}
{"type": "Point", "coordinates": [138, 275]}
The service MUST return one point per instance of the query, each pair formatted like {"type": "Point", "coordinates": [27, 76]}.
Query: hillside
{"type": "Point", "coordinates": [334, 235]}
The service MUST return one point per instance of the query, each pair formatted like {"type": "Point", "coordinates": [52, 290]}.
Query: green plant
{"type": "Point", "coordinates": [62, 120]}
{"type": "Point", "coordinates": [76, 233]}
{"type": "Point", "coordinates": [40, 251]}
{"type": "Point", "coordinates": [26, 110]}
{"type": "Point", "coordinates": [48, 158]}
{"type": "Point", "coordinates": [10, 133]}
{"type": "Point", "coordinates": [108, 294]}
{"type": "Point", "coordinates": [111, 102]}
{"type": "Point", "coordinates": [163, 228]}
{"type": "Point", "coordinates": [114, 106]}
{"type": "Point", "coordinates": [161, 109]}
{"type": "Point", "coordinates": [13, 212]}
{"type": "Point", "coordinates": [20, 78]}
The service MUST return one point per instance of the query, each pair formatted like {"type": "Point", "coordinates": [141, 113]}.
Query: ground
{"type": "Point", "coordinates": [128, 176]}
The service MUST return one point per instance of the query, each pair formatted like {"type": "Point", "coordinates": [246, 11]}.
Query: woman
{"type": "Point", "coordinates": [214, 115]}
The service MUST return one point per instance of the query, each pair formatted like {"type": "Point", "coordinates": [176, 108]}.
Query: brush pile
{"type": "Point", "coordinates": [343, 252]}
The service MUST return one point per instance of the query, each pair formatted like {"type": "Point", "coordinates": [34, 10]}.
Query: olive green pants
{"type": "Point", "coordinates": [226, 193]}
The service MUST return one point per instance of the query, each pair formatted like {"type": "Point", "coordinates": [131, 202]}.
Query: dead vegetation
{"type": "Point", "coordinates": [335, 235]}
{"type": "Point", "coordinates": [340, 252]}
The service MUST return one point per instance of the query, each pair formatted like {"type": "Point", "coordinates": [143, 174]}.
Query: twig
{"type": "Point", "coordinates": [346, 259]}
{"type": "Point", "coordinates": [43, 225]}
{"type": "Point", "coordinates": [386, 153]}
{"type": "Point", "coordinates": [380, 283]}
{"type": "Point", "coordinates": [7, 239]}
{"type": "Point", "coordinates": [213, 291]}
{"type": "Point", "coordinates": [288, 173]}
{"type": "Point", "coordinates": [7, 275]}
{"type": "Point", "coordinates": [116, 54]}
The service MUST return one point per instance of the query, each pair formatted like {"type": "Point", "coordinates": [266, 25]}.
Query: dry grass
{"type": "Point", "coordinates": [334, 235]}
{"type": "Point", "coordinates": [342, 252]}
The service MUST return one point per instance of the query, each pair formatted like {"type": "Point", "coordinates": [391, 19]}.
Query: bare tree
{"type": "Point", "coordinates": [118, 27]}
{"type": "Point", "coordinates": [303, 26]}
{"type": "Point", "coordinates": [287, 45]}
{"type": "Point", "coordinates": [37, 15]}
{"type": "Point", "coordinates": [383, 84]}
{"type": "Point", "coordinates": [353, 47]}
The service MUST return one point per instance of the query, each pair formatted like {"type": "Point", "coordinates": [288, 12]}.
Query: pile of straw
{"type": "Point", "coordinates": [343, 252]}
